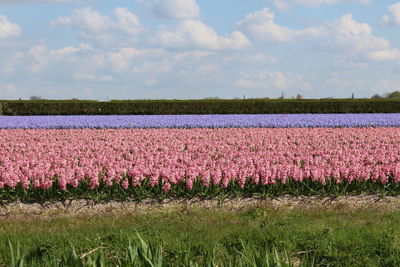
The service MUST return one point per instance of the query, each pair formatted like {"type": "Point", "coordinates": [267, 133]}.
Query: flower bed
{"type": "Point", "coordinates": [201, 121]}
{"type": "Point", "coordinates": [190, 162]}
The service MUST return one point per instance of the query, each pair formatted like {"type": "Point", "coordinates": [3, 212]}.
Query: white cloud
{"type": "Point", "coordinates": [87, 19]}
{"type": "Point", "coordinates": [122, 58]}
{"type": "Point", "coordinates": [85, 64]}
{"type": "Point", "coordinates": [384, 55]}
{"type": "Point", "coordinates": [39, 61]}
{"type": "Point", "coordinates": [273, 80]}
{"type": "Point", "coordinates": [126, 21]}
{"type": "Point", "coordinates": [194, 34]}
{"type": "Point", "coordinates": [8, 29]}
{"type": "Point", "coordinates": [344, 35]}
{"type": "Point", "coordinates": [285, 4]}
{"type": "Point", "coordinates": [98, 27]}
{"type": "Point", "coordinates": [65, 51]}
{"type": "Point", "coordinates": [158, 67]}
{"type": "Point", "coordinates": [261, 26]}
{"type": "Point", "coordinates": [356, 38]}
{"type": "Point", "coordinates": [258, 57]}
{"type": "Point", "coordinates": [41, 58]}
{"type": "Point", "coordinates": [251, 58]}
{"type": "Point", "coordinates": [394, 18]}
{"type": "Point", "coordinates": [350, 34]}
{"type": "Point", "coordinates": [196, 54]}
{"type": "Point", "coordinates": [176, 9]}
{"type": "Point", "coordinates": [91, 77]}
{"type": "Point", "coordinates": [207, 71]}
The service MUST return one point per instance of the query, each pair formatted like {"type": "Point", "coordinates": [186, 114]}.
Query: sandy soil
{"type": "Point", "coordinates": [74, 207]}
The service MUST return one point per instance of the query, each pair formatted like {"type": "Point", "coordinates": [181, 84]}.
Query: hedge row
{"type": "Point", "coordinates": [148, 107]}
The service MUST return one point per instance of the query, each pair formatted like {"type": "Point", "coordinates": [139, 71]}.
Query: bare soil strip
{"type": "Point", "coordinates": [74, 207]}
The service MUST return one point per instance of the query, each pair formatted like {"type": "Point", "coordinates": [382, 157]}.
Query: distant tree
{"type": "Point", "coordinates": [35, 98]}
{"type": "Point", "coordinates": [299, 96]}
{"type": "Point", "coordinates": [376, 96]}
{"type": "Point", "coordinates": [352, 95]}
{"type": "Point", "coordinates": [394, 94]}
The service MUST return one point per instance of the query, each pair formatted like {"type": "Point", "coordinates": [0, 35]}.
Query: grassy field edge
{"type": "Point", "coordinates": [334, 236]}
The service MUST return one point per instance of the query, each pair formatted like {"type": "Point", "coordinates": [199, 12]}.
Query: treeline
{"type": "Point", "coordinates": [153, 107]}
{"type": "Point", "coordinates": [394, 94]}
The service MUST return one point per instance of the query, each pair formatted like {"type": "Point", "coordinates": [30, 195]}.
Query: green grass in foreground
{"type": "Point", "coordinates": [250, 237]}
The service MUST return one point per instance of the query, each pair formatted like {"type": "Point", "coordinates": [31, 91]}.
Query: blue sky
{"type": "Point", "coordinates": [180, 49]}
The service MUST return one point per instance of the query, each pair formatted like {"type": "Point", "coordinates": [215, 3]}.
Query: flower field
{"type": "Point", "coordinates": [142, 163]}
{"type": "Point", "coordinates": [201, 121]}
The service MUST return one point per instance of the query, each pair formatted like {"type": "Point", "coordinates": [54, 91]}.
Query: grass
{"type": "Point", "coordinates": [250, 237]}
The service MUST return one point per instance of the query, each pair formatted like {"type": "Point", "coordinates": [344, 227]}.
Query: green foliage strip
{"type": "Point", "coordinates": [171, 107]}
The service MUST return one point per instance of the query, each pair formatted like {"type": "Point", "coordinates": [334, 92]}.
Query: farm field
{"type": "Point", "coordinates": [53, 161]}
{"type": "Point", "coordinates": [201, 121]}
{"type": "Point", "coordinates": [140, 163]}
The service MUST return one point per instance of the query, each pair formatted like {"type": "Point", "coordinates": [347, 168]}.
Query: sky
{"type": "Point", "coordinates": [192, 49]}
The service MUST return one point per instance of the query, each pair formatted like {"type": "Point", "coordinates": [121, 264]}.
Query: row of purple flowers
{"type": "Point", "coordinates": [201, 121]}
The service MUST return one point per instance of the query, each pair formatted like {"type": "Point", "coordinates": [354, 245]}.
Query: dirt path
{"type": "Point", "coordinates": [69, 208]}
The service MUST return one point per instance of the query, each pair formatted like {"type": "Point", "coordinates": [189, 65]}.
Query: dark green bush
{"type": "Point", "coordinates": [152, 107]}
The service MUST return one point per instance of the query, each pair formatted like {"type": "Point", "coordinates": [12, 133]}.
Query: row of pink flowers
{"type": "Point", "coordinates": [215, 156]}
